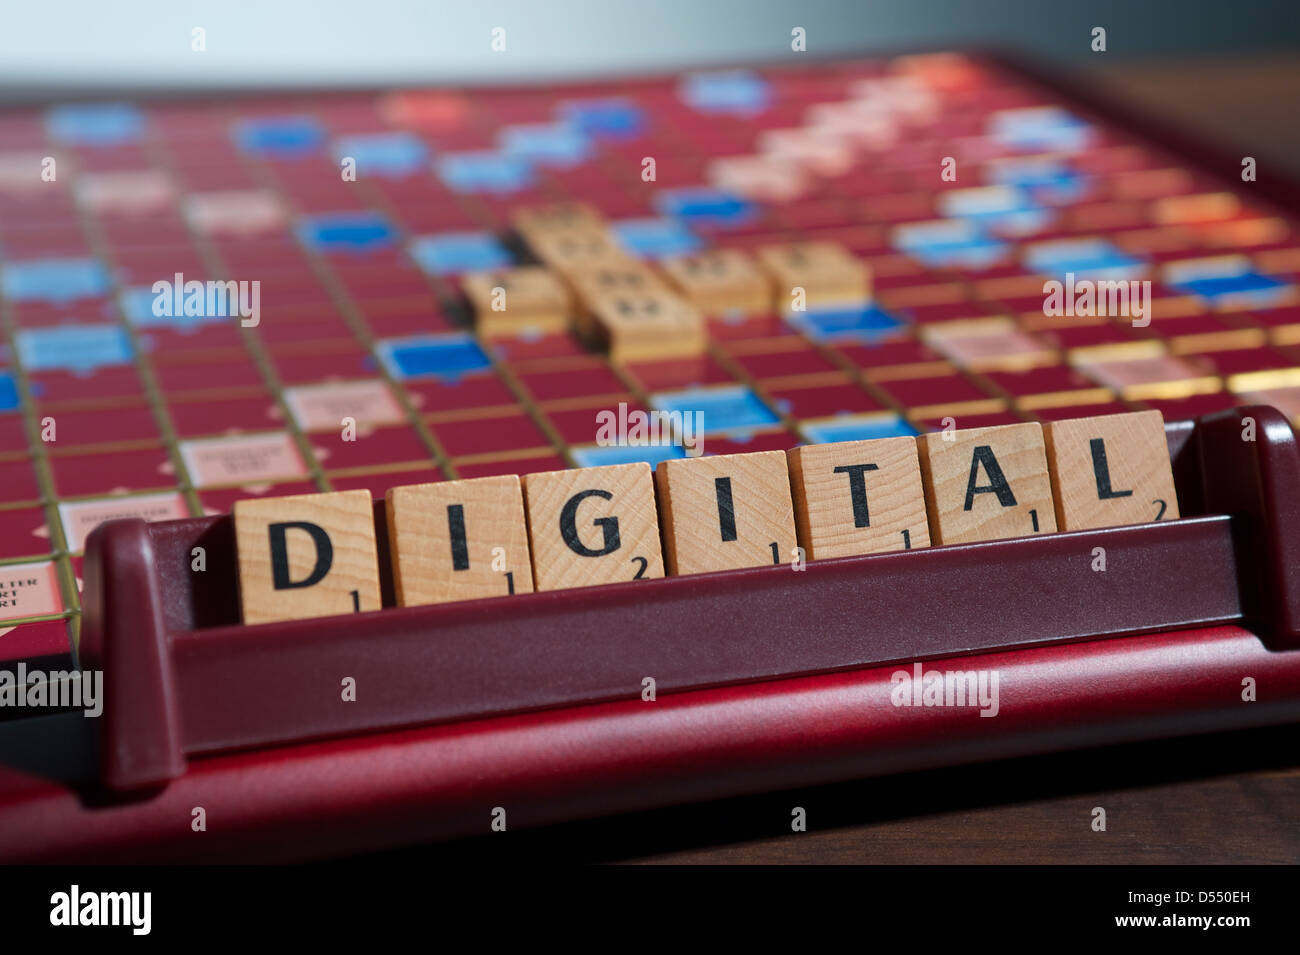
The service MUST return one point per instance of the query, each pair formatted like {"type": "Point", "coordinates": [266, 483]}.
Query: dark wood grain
{"type": "Point", "coordinates": [1221, 799]}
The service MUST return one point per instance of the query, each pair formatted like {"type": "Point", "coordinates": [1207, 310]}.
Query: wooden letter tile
{"type": "Point", "coordinates": [507, 301]}
{"type": "Point", "coordinates": [458, 540]}
{"type": "Point", "coordinates": [567, 249]}
{"type": "Point", "coordinates": [720, 281]}
{"type": "Point", "coordinates": [986, 484]}
{"type": "Point", "coordinates": [1110, 470]}
{"type": "Point", "coordinates": [557, 217]}
{"type": "Point", "coordinates": [310, 555]}
{"type": "Point", "coordinates": [602, 280]}
{"type": "Point", "coordinates": [826, 271]}
{"type": "Point", "coordinates": [858, 497]}
{"type": "Point", "coordinates": [646, 326]}
{"type": "Point", "coordinates": [733, 510]}
{"type": "Point", "coordinates": [592, 526]}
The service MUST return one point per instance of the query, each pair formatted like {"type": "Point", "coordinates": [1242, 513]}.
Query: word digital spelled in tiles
{"type": "Point", "coordinates": [315, 555]}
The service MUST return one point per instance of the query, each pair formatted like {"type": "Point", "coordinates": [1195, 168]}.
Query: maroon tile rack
{"type": "Point", "coordinates": [183, 678]}
{"type": "Point", "coordinates": [767, 678]}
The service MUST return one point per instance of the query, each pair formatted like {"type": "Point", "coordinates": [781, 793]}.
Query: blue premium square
{"type": "Point", "coordinates": [857, 428]}
{"type": "Point", "coordinates": [77, 348]}
{"type": "Point", "coordinates": [1040, 129]}
{"type": "Point", "coordinates": [447, 357]}
{"type": "Point", "coordinates": [57, 281]}
{"type": "Point", "coordinates": [704, 205]}
{"type": "Point", "coordinates": [138, 307]}
{"type": "Point", "coordinates": [731, 409]}
{"type": "Point", "coordinates": [383, 154]}
{"type": "Point", "coordinates": [484, 171]}
{"type": "Point", "coordinates": [857, 323]}
{"type": "Point", "coordinates": [280, 137]}
{"type": "Point", "coordinates": [611, 118]}
{"type": "Point", "coordinates": [733, 92]}
{"type": "Point", "coordinates": [1048, 180]}
{"type": "Point", "coordinates": [95, 124]}
{"type": "Point", "coordinates": [655, 238]}
{"type": "Point", "coordinates": [346, 232]}
{"type": "Point", "coordinates": [561, 145]}
{"type": "Point", "coordinates": [8, 392]}
{"type": "Point", "coordinates": [950, 243]}
{"type": "Point", "coordinates": [1006, 209]}
{"type": "Point", "coordinates": [594, 456]}
{"type": "Point", "coordinates": [449, 253]}
{"type": "Point", "coordinates": [1232, 281]}
{"type": "Point", "coordinates": [1092, 258]}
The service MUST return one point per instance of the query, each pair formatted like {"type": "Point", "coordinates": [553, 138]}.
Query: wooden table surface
{"type": "Point", "coordinates": [1247, 105]}
{"type": "Point", "coordinates": [1229, 798]}
{"type": "Point", "coordinates": [1217, 799]}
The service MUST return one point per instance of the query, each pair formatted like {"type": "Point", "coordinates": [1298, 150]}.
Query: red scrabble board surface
{"type": "Point", "coordinates": [110, 410]}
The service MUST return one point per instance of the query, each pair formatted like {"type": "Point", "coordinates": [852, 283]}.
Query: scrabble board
{"type": "Point", "coordinates": [798, 258]}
